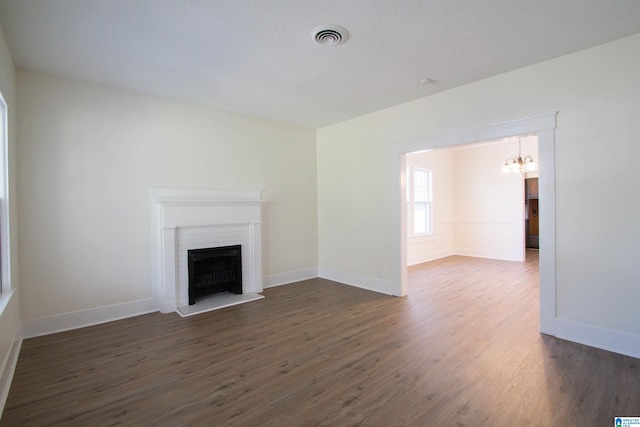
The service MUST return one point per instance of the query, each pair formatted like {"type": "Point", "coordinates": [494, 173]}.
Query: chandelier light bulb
{"type": "Point", "coordinates": [518, 164]}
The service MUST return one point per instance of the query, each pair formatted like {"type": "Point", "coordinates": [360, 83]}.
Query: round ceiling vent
{"type": "Point", "coordinates": [329, 35]}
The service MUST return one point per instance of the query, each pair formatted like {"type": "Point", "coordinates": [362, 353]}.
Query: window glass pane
{"type": "Point", "coordinates": [419, 218]}
{"type": "Point", "coordinates": [420, 215]}
{"type": "Point", "coordinates": [427, 218]}
{"type": "Point", "coordinates": [4, 207]}
{"type": "Point", "coordinates": [5, 278]}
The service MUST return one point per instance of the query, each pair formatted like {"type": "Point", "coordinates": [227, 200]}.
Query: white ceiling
{"type": "Point", "coordinates": [256, 57]}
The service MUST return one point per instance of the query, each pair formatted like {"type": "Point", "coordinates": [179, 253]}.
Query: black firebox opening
{"type": "Point", "coordinates": [214, 270]}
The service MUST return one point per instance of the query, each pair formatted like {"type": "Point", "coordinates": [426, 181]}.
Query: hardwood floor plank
{"type": "Point", "coordinates": [462, 348]}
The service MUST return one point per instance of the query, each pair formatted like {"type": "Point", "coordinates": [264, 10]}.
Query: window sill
{"type": "Point", "coordinates": [5, 297]}
{"type": "Point", "coordinates": [421, 238]}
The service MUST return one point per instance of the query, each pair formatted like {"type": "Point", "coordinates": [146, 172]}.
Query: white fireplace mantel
{"type": "Point", "coordinates": [188, 218]}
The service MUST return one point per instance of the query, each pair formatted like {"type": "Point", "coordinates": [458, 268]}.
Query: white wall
{"type": "Point", "coordinates": [489, 204]}
{"type": "Point", "coordinates": [597, 142]}
{"type": "Point", "coordinates": [89, 154]}
{"type": "Point", "coordinates": [478, 209]}
{"type": "Point", "coordinates": [9, 301]}
{"type": "Point", "coordinates": [441, 242]}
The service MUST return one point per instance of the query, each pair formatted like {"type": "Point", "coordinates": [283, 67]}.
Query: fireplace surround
{"type": "Point", "coordinates": [190, 219]}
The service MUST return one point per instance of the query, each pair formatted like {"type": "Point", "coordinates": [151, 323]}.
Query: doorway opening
{"type": "Point", "coordinates": [532, 211]}
{"type": "Point", "coordinates": [542, 126]}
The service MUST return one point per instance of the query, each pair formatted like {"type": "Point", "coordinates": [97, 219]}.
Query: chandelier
{"type": "Point", "coordinates": [518, 163]}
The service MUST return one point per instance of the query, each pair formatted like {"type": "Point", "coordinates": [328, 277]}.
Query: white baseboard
{"type": "Point", "coordinates": [289, 277]}
{"type": "Point", "coordinates": [364, 282]}
{"type": "Point", "coordinates": [89, 317]}
{"type": "Point", "coordinates": [8, 368]}
{"type": "Point", "coordinates": [491, 254]}
{"type": "Point", "coordinates": [598, 337]}
{"type": "Point", "coordinates": [429, 256]}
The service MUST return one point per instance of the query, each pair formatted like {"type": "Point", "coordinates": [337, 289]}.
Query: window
{"type": "Point", "coordinates": [5, 278]}
{"type": "Point", "coordinates": [420, 202]}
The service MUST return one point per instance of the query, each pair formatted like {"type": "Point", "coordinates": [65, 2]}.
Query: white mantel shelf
{"type": "Point", "coordinates": [211, 203]}
{"type": "Point", "coordinates": [188, 218]}
{"type": "Point", "coordinates": [204, 195]}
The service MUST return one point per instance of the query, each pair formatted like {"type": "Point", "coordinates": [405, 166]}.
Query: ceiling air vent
{"type": "Point", "coordinates": [329, 35]}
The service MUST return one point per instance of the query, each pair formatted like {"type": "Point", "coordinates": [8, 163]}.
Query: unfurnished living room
{"type": "Point", "coordinates": [319, 213]}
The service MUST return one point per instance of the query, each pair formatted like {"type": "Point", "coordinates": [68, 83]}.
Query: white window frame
{"type": "Point", "coordinates": [427, 203]}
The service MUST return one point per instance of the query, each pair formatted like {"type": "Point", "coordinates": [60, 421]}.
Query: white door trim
{"type": "Point", "coordinates": [544, 126]}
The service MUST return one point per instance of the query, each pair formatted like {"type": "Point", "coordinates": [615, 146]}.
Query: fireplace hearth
{"type": "Point", "coordinates": [214, 270]}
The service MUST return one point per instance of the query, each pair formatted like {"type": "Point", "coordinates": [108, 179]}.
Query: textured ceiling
{"type": "Point", "coordinates": [256, 57]}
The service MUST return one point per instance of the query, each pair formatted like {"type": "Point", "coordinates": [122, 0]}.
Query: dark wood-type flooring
{"type": "Point", "coordinates": [462, 349]}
